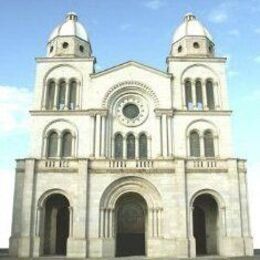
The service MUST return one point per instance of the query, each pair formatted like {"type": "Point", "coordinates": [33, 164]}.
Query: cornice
{"type": "Point", "coordinates": [63, 59]}
{"type": "Point", "coordinates": [86, 112]}
{"type": "Point", "coordinates": [196, 59]}
{"type": "Point", "coordinates": [204, 113]}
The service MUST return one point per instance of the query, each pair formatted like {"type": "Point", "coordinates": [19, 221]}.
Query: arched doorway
{"type": "Point", "coordinates": [56, 225]}
{"type": "Point", "coordinates": [131, 212]}
{"type": "Point", "coordinates": [205, 225]}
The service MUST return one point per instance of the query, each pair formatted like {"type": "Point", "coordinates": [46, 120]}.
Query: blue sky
{"type": "Point", "coordinates": [122, 30]}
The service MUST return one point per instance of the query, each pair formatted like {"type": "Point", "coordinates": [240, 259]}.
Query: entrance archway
{"type": "Point", "coordinates": [56, 225]}
{"type": "Point", "coordinates": [205, 225]}
{"type": "Point", "coordinates": [131, 212]}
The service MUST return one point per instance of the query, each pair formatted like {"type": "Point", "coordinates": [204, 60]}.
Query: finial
{"type": "Point", "coordinates": [71, 16]}
{"type": "Point", "coordinates": [189, 17]}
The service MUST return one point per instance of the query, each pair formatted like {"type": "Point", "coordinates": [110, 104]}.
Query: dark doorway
{"type": "Point", "coordinates": [56, 225]}
{"type": "Point", "coordinates": [131, 211]}
{"type": "Point", "coordinates": [205, 225]}
{"type": "Point", "coordinates": [199, 224]}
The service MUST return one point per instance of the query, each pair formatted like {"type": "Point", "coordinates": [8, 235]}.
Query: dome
{"type": "Point", "coordinates": [71, 27]}
{"type": "Point", "coordinates": [191, 27]}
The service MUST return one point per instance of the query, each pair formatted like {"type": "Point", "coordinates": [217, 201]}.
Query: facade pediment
{"type": "Point", "coordinates": [131, 64]}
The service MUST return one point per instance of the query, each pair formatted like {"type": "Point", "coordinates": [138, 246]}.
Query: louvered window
{"type": "Point", "coordinates": [130, 142]}
{"type": "Point", "coordinates": [50, 95]}
{"type": "Point", "coordinates": [53, 144]}
{"type": "Point", "coordinates": [67, 145]}
{"type": "Point", "coordinates": [210, 95]}
{"type": "Point", "coordinates": [198, 95]}
{"type": "Point", "coordinates": [188, 94]}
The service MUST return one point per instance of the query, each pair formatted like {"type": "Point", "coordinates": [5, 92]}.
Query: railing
{"type": "Point", "coordinates": [57, 163]}
{"type": "Point", "coordinates": [206, 164]}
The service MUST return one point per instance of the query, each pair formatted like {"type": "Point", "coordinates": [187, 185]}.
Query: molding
{"type": "Point", "coordinates": [131, 171]}
{"type": "Point", "coordinates": [164, 111]}
{"type": "Point", "coordinates": [204, 113]}
{"type": "Point", "coordinates": [196, 59]}
{"type": "Point", "coordinates": [131, 63]}
{"type": "Point", "coordinates": [64, 59]}
{"type": "Point", "coordinates": [86, 112]}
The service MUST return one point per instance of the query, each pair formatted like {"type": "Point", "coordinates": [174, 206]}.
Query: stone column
{"type": "Point", "coordinates": [98, 139]}
{"type": "Point", "coordinates": [137, 147]}
{"type": "Point", "coordinates": [193, 94]}
{"type": "Point", "coordinates": [73, 147]}
{"type": "Point", "coordinates": [56, 95]}
{"type": "Point", "coordinates": [159, 131]}
{"type": "Point", "coordinates": [170, 130]}
{"type": "Point", "coordinates": [204, 96]}
{"type": "Point", "coordinates": [223, 228]}
{"type": "Point", "coordinates": [27, 209]}
{"type": "Point", "coordinates": [149, 147]}
{"type": "Point", "coordinates": [67, 96]}
{"type": "Point", "coordinates": [71, 222]}
{"type": "Point", "coordinates": [183, 96]}
{"type": "Point", "coordinates": [113, 147]}
{"type": "Point", "coordinates": [44, 100]}
{"type": "Point", "coordinates": [216, 95]}
{"type": "Point", "coordinates": [92, 136]}
{"type": "Point", "coordinates": [202, 148]}
{"type": "Point", "coordinates": [78, 95]}
{"type": "Point", "coordinates": [216, 147]}
{"type": "Point", "coordinates": [59, 146]}
{"type": "Point", "coordinates": [164, 135]}
{"type": "Point", "coordinates": [101, 224]}
{"type": "Point", "coordinates": [103, 136]}
{"type": "Point", "coordinates": [124, 147]}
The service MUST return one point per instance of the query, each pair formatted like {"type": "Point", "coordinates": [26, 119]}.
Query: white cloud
{"type": "Point", "coordinates": [154, 4]}
{"type": "Point", "coordinates": [14, 105]}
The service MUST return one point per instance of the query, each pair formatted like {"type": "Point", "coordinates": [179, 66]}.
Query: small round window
{"type": "Point", "coordinates": [131, 111]}
{"type": "Point", "coordinates": [81, 48]}
{"type": "Point", "coordinates": [196, 45]}
{"type": "Point", "coordinates": [65, 45]}
{"type": "Point", "coordinates": [180, 49]}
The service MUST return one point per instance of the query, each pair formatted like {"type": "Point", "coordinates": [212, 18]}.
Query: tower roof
{"type": "Point", "coordinates": [71, 27]}
{"type": "Point", "coordinates": [191, 27]}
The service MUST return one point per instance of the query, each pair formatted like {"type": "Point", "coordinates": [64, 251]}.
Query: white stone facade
{"type": "Point", "coordinates": [173, 184]}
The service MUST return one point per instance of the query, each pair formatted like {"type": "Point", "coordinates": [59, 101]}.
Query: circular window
{"type": "Point", "coordinates": [180, 49]}
{"type": "Point", "coordinates": [81, 48]}
{"type": "Point", "coordinates": [51, 49]}
{"type": "Point", "coordinates": [65, 45]}
{"type": "Point", "coordinates": [131, 111]}
{"type": "Point", "coordinates": [196, 45]}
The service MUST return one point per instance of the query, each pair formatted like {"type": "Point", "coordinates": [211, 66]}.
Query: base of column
{"type": "Point", "coordinates": [76, 248]}
{"type": "Point", "coordinates": [101, 247]}
{"type": "Point", "coordinates": [19, 246]}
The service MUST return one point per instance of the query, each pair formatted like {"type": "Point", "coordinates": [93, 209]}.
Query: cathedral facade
{"type": "Point", "coordinates": [130, 160]}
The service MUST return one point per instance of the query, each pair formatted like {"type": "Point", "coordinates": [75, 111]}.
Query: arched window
{"type": "Point", "coordinates": [118, 146]}
{"type": "Point", "coordinates": [50, 95]}
{"type": "Point", "coordinates": [210, 95]}
{"type": "Point", "coordinates": [66, 145]}
{"type": "Point", "coordinates": [143, 146]}
{"type": "Point", "coordinates": [72, 95]}
{"type": "Point", "coordinates": [52, 144]}
{"type": "Point", "coordinates": [62, 91]}
{"type": "Point", "coordinates": [188, 95]}
{"type": "Point", "coordinates": [130, 142]}
{"type": "Point", "coordinates": [198, 95]}
{"type": "Point", "coordinates": [209, 144]}
{"type": "Point", "coordinates": [194, 144]}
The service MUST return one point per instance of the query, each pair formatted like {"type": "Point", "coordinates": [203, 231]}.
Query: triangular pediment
{"type": "Point", "coordinates": [129, 64]}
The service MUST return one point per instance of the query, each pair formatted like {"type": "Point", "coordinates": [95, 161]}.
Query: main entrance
{"type": "Point", "coordinates": [205, 225]}
{"type": "Point", "coordinates": [56, 225]}
{"type": "Point", "coordinates": [131, 211]}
